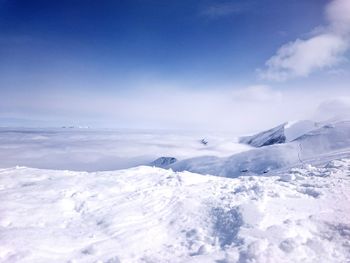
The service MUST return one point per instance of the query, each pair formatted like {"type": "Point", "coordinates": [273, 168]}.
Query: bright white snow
{"type": "Point", "coordinates": [282, 203]}
{"type": "Point", "coordinates": [147, 214]}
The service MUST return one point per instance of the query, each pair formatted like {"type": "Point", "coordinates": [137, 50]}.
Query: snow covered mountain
{"type": "Point", "coordinates": [273, 136]}
{"type": "Point", "coordinates": [279, 203]}
{"type": "Point", "coordinates": [149, 214]}
{"type": "Point", "coordinates": [330, 138]}
{"type": "Point", "coordinates": [285, 132]}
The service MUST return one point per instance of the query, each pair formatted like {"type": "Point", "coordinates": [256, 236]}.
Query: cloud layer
{"type": "Point", "coordinates": [238, 110]}
{"type": "Point", "coordinates": [324, 49]}
{"type": "Point", "coordinates": [334, 108]}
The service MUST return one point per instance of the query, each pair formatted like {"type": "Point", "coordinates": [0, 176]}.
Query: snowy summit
{"type": "Point", "coordinates": [207, 131]}
{"type": "Point", "coordinates": [297, 212]}
{"type": "Point", "coordinates": [149, 214]}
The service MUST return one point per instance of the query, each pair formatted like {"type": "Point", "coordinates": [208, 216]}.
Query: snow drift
{"type": "Point", "coordinates": [149, 214]}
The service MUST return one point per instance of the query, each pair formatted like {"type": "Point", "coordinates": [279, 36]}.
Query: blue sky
{"type": "Point", "coordinates": [66, 61]}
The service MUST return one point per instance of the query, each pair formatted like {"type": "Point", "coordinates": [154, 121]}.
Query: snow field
{"type": "Point", "coordinates": [147, 214]}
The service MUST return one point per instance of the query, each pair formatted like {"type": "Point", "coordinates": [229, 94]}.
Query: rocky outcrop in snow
{"type": "Point", "coordinates": [273, 136]}
{"type": "Point", "coordinates": [286, 132]}
{"type": "Point", "coordinates": [163, 162]}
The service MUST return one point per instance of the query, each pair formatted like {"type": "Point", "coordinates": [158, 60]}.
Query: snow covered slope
{"type": "Point", "coordinates": [329, 139]}
{"type": "Point", "coordinates": [294, 130]}
{"type": "Point", "coordinates": [273, 136]}
{"type": "Point", "coordinates": [286, 132]}
{"type": "Point", "coordinates": [149, 214]}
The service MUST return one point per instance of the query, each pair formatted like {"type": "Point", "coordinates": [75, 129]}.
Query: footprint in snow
{"type": "Point", "coordinates": [310, 192]}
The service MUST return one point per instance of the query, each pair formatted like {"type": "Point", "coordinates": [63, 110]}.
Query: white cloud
{"type": "Point", "coordinates": [302, 57]}
{"type": "Point", "coordinates": [338, 14]}
{"type": "Point", "coordinates": [334, 108]}
{"type": "Point", "coordinates": [325, 49]}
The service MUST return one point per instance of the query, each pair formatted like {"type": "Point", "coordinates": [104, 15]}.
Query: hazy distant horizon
{"type": "Point", "coordinates": [202, 65]}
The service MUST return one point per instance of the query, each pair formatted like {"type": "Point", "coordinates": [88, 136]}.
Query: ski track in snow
{"type": "Point", "coordinates": [147, 214]}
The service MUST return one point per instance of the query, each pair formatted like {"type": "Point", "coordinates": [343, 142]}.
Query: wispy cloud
{"type": "Point", "coordinates": [257, 94]}
{"type": "Point", "coordinates": [334, 108]}
{"type": "Point", "coordinates": [324, 49]}
{"type": "Point", "coordinates": [302, 57]}
{"type": "Point", "coordinates": [223, 9]}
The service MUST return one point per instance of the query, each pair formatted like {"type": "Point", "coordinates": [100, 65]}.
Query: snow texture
{"type": "Point", "coordinates": [147, 214]}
